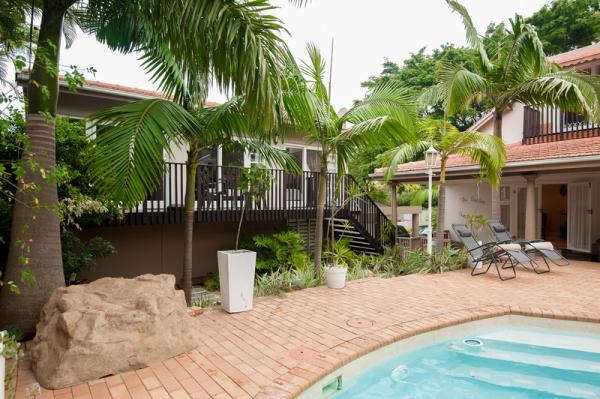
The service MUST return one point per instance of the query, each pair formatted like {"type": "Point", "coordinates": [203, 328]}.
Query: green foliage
{"type": "Point", "coordinates": [211, 284]}
{"type": "Point", "coordinates": [282, 250]}
{"type": "Point", "coordinates": [476, 224]}
{"type": "Point", "coordinates": [515, 69]}
{"type": "Point", "coordinates": [12, 353]}
{"type": "Point", "coordinates": [280, 281]}
{"type": "Point", "coordinates": [564, 25]}
{"type": "Point", "coordinates": [391, 263]}
{"type": "Point", "coordinates": [418, 73]}
{"type": "Point", "coordinates": [339, 252]}
{"type": "Point", "coordinates": [416, 195]}
{"type": "Point", "coordinates": [79, 255]}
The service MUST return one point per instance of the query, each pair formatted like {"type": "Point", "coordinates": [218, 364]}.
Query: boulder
{"type": "Point", "coordinates": [109, 326]}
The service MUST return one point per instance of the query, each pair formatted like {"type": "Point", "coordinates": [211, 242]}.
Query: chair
{"type": "Point", "coordinates": [483, 255]}
{"type": "Point", "coordinates": [543, 248]}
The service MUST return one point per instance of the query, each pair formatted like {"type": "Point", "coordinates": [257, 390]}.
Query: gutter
{"type": "Point", "coordinates": [21, 77]}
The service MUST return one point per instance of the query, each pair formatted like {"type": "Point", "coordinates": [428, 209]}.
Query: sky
{"type": "Point", "coordinates": [364, 32]}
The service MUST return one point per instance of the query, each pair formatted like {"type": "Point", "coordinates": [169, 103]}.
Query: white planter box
{"type": "Point", "coordinates": [336, 276]}
{"type": "Point", "coordinates": [236, 277]}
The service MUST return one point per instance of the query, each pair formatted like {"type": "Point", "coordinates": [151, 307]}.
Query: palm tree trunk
{"type": "Point", "coordinates": [495, 198]}
{"type": "Point", "coordinates": [191, 169]}
{"type": "Point", "coordinates": [441, 216]}
{"type": "Point", "coordinates": [35, 230]}
{"type": "Point", "coordinates": [321, 197]}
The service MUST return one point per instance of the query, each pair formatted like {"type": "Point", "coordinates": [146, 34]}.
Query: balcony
{"type": "Point", "coordinates": [290, 196]}
{"type": "Point", "coordinates": [548, 124]}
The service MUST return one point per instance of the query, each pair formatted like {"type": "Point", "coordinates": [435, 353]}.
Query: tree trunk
{"type": "Point", "coordinates": [35, 231]}
{"type": "Point", "coordinates": [191, 169]}
{"type": "Point", "coordinates": [495, 198]}
{"type": "Point", "coordinates": [441, 216]}
{"type": "Point", "coordinates": [321, 197]}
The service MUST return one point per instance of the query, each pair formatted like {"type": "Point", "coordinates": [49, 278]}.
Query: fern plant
{"type": "Point", "coordinates": [284, 249]}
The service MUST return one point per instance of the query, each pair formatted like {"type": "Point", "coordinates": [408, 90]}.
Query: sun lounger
{"type": "Point", "coordinates": [540, 247]}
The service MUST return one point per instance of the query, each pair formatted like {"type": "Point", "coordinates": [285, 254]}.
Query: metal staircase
{"type": "Point", "coordinates": [343, 228]}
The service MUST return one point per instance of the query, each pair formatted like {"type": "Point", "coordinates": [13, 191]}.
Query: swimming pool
{"type": "Point", "coordinates": [506, 360]}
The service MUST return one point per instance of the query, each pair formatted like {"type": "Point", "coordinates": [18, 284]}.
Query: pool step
{"type": "Point", "coordinates": [535, 384]}
{"type": "Point", "coordinates": [533, 359]}
{"type": "Point", "coordinates": [579, 343]}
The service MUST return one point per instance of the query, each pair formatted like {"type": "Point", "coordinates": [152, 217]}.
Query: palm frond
{"type": "Point", "coordinates": [401, 154]}
{"type": "Point", "coordinates": [472, 36]}
{"type": "Point", "coordinates": [236, 43]}
{"type": "Point", "coordinates": [460, 87]}
{"type": "Point", "coordinates": [570, 90]}
{"type": "Point", "coordinates": [129, 146]}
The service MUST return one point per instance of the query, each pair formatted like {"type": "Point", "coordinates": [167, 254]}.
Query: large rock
{"type": "Point", "coordinates": [109, 326]}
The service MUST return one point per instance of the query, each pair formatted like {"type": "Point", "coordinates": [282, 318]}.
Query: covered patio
{"type": "Point", "coordinates": [548, 190]}
{"type": "Point", "coordinates": [288, 343]}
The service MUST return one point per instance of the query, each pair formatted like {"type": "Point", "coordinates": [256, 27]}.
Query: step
{"type": "Point", "coordinates": [534, 359]}
{"type": "Point", "coordinates": [347, 231]}
{"type": "Point", "coordinates": [537, 384]}
{"type": "Point", "coordinates": [544, 339]}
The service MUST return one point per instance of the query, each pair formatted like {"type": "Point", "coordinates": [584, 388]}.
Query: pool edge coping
{"type": "Point", "coordinates": [385, 336]}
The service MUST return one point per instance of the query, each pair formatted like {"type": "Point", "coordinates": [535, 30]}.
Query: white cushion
{"type": "Point", "coordinates": [541, 245]}
{"type": "Point", "coordinates": [509, 247]}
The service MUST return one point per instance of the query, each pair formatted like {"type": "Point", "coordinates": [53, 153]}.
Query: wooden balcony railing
{"type": "Point", "coordinates": [547, 124]}
{"type": "Point", "coordinates": [290, 196]}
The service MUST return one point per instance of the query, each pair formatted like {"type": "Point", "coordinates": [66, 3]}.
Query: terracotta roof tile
{"type": "Point", "coordinates": [128, 89]}
{"type": "Point", "coordinates": [518, 152]}
{"type": "Point", "coordinates": [578, 56]}
{"type": "Point", "coordinates": [91, 84]}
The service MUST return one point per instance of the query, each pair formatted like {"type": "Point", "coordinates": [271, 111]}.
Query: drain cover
{"type": "Point", "coordinates": [360, 322]}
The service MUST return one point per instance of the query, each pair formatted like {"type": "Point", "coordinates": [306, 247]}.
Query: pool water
{"type": "Point", "coordinates": [510, 363]}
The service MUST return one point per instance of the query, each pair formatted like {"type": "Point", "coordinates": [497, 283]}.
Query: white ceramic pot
{"type": "Point", "coordinates": [236, 277]}
{"type": "Point", "coordinates": [336, 276]}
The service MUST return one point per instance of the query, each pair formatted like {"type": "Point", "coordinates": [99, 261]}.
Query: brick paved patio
{"type": "Point", "coordinates": [286, 344]}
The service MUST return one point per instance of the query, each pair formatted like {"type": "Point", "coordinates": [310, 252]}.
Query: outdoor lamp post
{"type": "Point", "coordinates": [430, 158]}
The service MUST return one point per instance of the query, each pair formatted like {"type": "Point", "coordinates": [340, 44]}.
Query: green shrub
{"type": "Point", "coordinates": [339, 252]}
{"type": "Point", "coordinates": [280, 281]}
{"type": "Point", "coordinates": [211, 284]}
{"type": "Point", "coordinates": [79, 255]}
{"type": "Point", "coordinates": [284, 249]}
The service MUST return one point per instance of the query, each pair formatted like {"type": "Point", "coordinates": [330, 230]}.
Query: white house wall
{"type": "Point", "coordinates": [512, 124]}
{"type": "Point", "coordinates": [465, 197]}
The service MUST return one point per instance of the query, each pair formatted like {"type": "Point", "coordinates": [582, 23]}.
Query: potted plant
{"type": "Point", "coordinates": [237, 267]}
{"type": "Point", "coordinates": [339, 253]}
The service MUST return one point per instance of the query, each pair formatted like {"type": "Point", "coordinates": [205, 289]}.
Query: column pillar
{"type": "Point", "coordinates": [530, 208]}
{"type": "Point", "coordinates": [394, 203]}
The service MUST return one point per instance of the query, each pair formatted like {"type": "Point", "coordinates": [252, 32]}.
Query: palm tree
{"type": "Point", "coordinates": [513, 70]}
{"type": "Point", "coordinates": [136, 136]}
{"type": "Point", "coordinates": [235, 42]}
{"type": "Point", "coordinates": [486, 150]}
{"type": "Point", "coordinates": [386, 111]}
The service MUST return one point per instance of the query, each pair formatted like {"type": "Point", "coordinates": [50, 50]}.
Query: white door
{"type": "Point", "coordinates": [579, 217]}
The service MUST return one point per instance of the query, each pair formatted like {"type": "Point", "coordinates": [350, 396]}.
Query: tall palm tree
{"type": "Point", "coordinates": [386, 111]}
{"type": "Point", "coordinates": [514, 70]}
{"type": "Point", "coordinates": [484, 149]}
{"type": "Point", "coordinates": [234, 41]}
{"type": "Point", "coordinates": [131, 146]}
